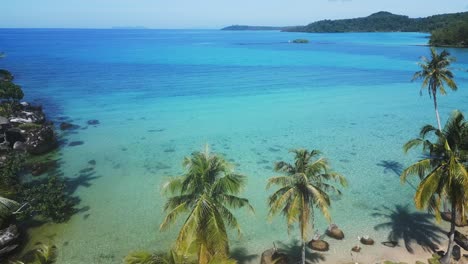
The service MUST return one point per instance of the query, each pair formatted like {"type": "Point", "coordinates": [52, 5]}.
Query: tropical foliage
{"type": "Point", "coordinates": [455, 34]}
{"type": "Point", "coordinates": [41, 254]}
{"type": "Point", "coordinates": [443, 171]}
{"type": "Point", "coordinates": [436, 76]}
{"type": "Point", "coordinates": [383, 22]}
{"type": "Point", "coordinates": [304, 188]}
{"type": "Point", "coordinates": [205, 194]}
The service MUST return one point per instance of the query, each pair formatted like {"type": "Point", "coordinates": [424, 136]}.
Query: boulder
{"type": "Point", "coordinates": [273, 256]}
{"type": "Point", "coordinates": [447, 216]}
{"type": "Point", "coordinates": [461, 240]}
{"type": "Point", "coordinates": [367, 241]}
{"type": "Point", "coordinates": [68, 126]}
{"type": "Point", "coordinates": [8, 236]}
{"type": "Point", "coordinates": [319, 245]}
{"type": "Point", "coordinates": [19, 146]}
{"type": "Point", "coordinates": [14, 134]}
{"type": "Point", "coordinates": [4, 121]}
{"type": "Point", "coordinates": [41, 140]}
{"type": "Point", "coordinates": [334, 232]}
{"type": "Point", "coordinates": [456, 253]}
{"type": "Point", "coordinates": [356, 249]}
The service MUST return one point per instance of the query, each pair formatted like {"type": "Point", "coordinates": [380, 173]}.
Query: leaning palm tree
{"type": "Point", "coordinates": [205, 193]}
{"type": "Point", "coordinates": [435, 74]}
{"type": "Point", "coordinates": [442, 172]}
{"type": "Point", "coordinates": [304, 188]}
{"type": "Point", "coordinates": [7, 207]}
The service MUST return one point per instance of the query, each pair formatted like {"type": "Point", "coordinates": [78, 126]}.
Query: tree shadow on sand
{"type": "Point", "coordinates": [294, 249]}
{"type": "Point", "coordinates": [411, 227]}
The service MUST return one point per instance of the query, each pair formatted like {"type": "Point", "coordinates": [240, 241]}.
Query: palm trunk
{"type": "Point", "coordinates": [446, 258]}
{"type": "Point", "coordinates": [434, 94]}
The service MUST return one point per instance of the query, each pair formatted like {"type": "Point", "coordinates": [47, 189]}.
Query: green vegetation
{"type": "Point", "coordinates": [29, 126]}
{"type": "Point", "coordinates": [383, 22]}
{"type": "Point", "coordinates": [302, 189]}
{"type": "Point", "coordinates": [435, 74]}
{"type": "Point", "coordinates": [300, 41]}
{"type": "Point", "coordinates": [443, 173]}
{"type": "Point", "coordinates": [41, 254]}
{"type": "Point", "coordinates": [10, 93]}
{"type": "Point", "coordinates": [207, 192]}
{"type": "Point", "coordinates": [455, 35]}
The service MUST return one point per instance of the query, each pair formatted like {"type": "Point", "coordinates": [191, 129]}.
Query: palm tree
{"type": "Point", "coordinates": [442, 172]}
{"type": "Point", "coordinates": [7, 207]}
{"type": "Point", "coordinates": [207, 192]}
{"type": "Point", "coordinates": [435, 73]}
{"type": "Point", "coordinates": [304, 188]}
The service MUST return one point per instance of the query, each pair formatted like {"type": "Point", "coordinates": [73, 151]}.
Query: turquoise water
{"type": "Point", "coordinates": [161, 94]}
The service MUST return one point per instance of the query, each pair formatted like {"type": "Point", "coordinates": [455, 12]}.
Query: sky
{"type": "Point", "coordinates": [204, 13]}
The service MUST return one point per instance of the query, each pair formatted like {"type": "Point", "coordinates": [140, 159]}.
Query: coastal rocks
{"type": "Point", "coordinates": [391, 244]}
{"type": "Point", "coordinates": [334, 232]}
{"type": "Point", "coordinates": [13, 135]}
{"type": "Point", "coordinates": [319, 245]}
{"type": "Point", "coordinates": [272, 256]}
{"type": "Point", "coordinates": [28, 114]}
{"type": "Point", "coordinates": [461, 240]}
{"type": "Point", "coordinates": [20, 146]}
{"type": "Point", "coordinates": [68, 126]}
{"type": "Point", "coordinates": [8, 236]}
{"type": "Point", "coordinates": [41, 141]}
{"type": "Point", "coordinates": [75, 143]}
{"type": "Point", "coordinates": [367, 241]}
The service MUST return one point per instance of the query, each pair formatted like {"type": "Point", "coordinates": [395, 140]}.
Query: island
{"type": "Point", "coordinates": [450, 30]}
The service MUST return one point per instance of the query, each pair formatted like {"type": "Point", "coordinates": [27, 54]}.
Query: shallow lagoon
{"type": "Point", "coordinates": [161, 94]}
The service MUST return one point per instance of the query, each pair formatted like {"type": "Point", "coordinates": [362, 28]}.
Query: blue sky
{"type": "Point", "coordinates": [205, 13]}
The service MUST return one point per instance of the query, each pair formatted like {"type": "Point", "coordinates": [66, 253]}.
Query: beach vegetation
{"type": "Point", "coordinates": [436, 76]}
{"type": "Point", "coordinates": [304, 186]}
{"type": "Point", "coordinates": [205, 193]}
{"type": "Point", "coordinates": [442, 171]}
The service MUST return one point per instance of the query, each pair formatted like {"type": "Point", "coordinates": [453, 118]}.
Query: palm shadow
{"type": "Point", "coordinates": [395, 167]}
{"type": "Point", "coordinates": [411, 227]}
{"type": "Point", "coordinates": [294, 251]}
{"type": "Point", "coordinates": [242, 256]}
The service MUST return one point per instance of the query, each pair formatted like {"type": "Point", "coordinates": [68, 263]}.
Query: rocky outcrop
{"type": "Point", "coordinates": [334, 232]}
{"type": "Point", "coordinates": [319, 245]}
{"type": "Point", "coordinates": [447, 216]}
{"type": "Point", "coordinates": [8, 239]}
{"type": "Point", "coordinates": [42, 140]}
{"type": "Point", "coordinates": [273, 256]}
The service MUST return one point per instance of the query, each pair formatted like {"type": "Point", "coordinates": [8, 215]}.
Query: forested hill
{"type": "Point", "coordinates": [383, 22]}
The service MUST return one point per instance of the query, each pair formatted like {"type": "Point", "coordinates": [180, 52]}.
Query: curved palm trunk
{"type": "Point", "coordinates": [446, 258]}
{"type": "Point", "coordinates": [434, 95]}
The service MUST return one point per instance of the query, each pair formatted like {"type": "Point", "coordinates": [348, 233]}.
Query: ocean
{"type": "Point", "coordinates": [251, 96]}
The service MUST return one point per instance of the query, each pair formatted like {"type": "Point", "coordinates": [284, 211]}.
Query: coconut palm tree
{"type": "Point", "coordinates": [205, 193]}
{"type": "Point", "coordinates": [435, 74]}
{"type": "Point", "coordinates": [303, 188]}
{"type": "Point", "coordinates": [7, 207]}
{"type": "Point", "coordinates": [442, 172]}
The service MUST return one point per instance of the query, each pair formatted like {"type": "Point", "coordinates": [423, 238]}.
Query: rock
{"type": "Point", "coordinates": [19, 146]}
{"type": "Point", "coordinates": [272, 256]}
{"type": "Point", "coordinates": [43, 167]}
{"type": "Point", "coordinates": [75, 143]}
{"type": "Point", "coordinates": [4, 121]}
{"type": "Point", "coordinates": [8, 236]}
{"type": "Point", "coordinates": [41, 140]}
{"type": "Point", "coordinates": [456, 252]}
{"type": "Point", "coordinates": [66, 126]}
{"type": "Point", "coordinates": [319, 245]}
{"type": "Point", "coordinates": [93, 122]}
{"type": "Point", "coordinates": [461, 240]}
{"type": "Point", "coordinates": [390, 243]}
{"type": "Point", "coordinates": [356, 249]}
{"type": "Point", "coordinates": [14, 134]}
{"type": "Point", "coordinates": [92, 162]}
{"type": "Point", "coordinates": [334, 232]}
{"type": "Point", "coordinates": [367, 241]}
{"type": "Point", "coordinates": [447, 216]}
